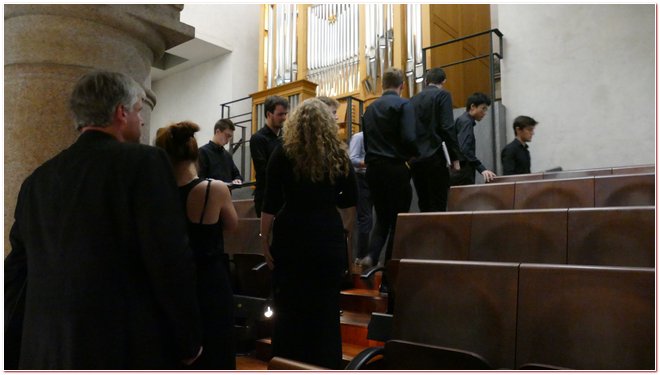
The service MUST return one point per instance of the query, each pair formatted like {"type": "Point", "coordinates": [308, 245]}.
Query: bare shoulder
{"type": "Point", "coordinates": [218, 187]}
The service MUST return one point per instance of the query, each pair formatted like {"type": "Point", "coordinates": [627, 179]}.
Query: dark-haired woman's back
{"type": "Point", "coordinates": [208, 210]}
{"type": "Point", "coordinates": [208, 205]}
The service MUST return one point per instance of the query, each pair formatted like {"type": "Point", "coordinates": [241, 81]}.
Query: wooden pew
{"type": "Point", "coordinates": [481, 197]}
{"type": "Point", "coordinates": [577, 173]}
{"type": "Point", "coordinates": [612, 236]}
{"type": "Point", "coordinates": [595, 191]}
{"type": "Point", "coordinates": [574, 192]}
{"type": "Point", "coordinates": [537, 236]}
{"type": "Point", "coordinates": [245, 208]}
{"type": "Point", "coordinates": [624, 190]}
{"type": "Point", "coordinates": [634, 169]}
{"type": "Point", "coordinates": [468, 306]}
{"type": "Point", "coordinates": [433, 236]}
{"type": "Point", "coordinates": [631, 169]}
{"type": "Point", "coordinates": [519, 315]}
{"type": "Point", "coordinates": [243, 246]}
{"type": "Point", "coordinates": [617, 236]}
{"type": "Point", "coordinates": [587, 318]}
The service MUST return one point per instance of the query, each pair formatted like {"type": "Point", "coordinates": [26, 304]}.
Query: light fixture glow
{"type": "Point", "coordinates": [269, 312]}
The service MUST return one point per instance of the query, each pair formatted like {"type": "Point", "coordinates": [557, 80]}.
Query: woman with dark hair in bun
{"type": "Point", "coordinates": [209, 210]}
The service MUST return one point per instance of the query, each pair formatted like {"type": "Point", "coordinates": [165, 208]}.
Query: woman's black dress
{"type": "Point", "coordinates": [309, 251]}
{"type": "Point", "coordinates": [213, 289]}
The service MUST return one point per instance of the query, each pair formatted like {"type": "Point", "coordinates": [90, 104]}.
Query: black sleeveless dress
{"type": "Point", "coordinates": [309, 251]}
{"type": "Point", "coordinates": [213, 289]}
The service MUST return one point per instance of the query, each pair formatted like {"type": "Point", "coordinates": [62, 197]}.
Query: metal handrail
{"type": "Point", "coordinates": [496, 31]}
{"type": "Point", "coordinates": [491, 60]}
{"type": "Point", "coordinates": [234, 146]}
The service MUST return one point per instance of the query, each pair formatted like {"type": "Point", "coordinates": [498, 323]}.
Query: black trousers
{"type": "Point", "coordinates": [364, 214]}
{"type": "Point", "coordinates": [431, 178]}
{"type": "Point", "coordinates": [463, 177]}
{"type": "Point", "coordinates": [389, 183]}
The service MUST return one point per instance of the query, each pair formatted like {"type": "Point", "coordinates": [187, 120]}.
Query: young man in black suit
{"type": "Point", "coordinates": [515, 156]}
{"type": "Point", "coordinates": [389, 143]}
{"type": "Point", "coordinates": [435, 124]}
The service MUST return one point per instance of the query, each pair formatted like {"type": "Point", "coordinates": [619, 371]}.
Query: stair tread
{"type": "Point", "coordinates": [355, 318]}
{"type": "Point", "coordinates": [363, 292]}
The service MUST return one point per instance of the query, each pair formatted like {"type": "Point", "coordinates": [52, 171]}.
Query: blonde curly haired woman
{"type": "Point", "coordinates": [307, 179]}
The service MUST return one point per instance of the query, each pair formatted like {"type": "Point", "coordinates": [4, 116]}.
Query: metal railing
{"type": "Point", "coordinates": [349, 116]}
{"type": "Point", "coordinates": [491, 55]}
{"type": "Point", "coordinates": [242, 121]}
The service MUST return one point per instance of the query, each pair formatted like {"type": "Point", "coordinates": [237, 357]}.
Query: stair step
{"type": "Point", "coordinates": [363, 301]}
{"type": "Point", "coordinates": [371, 283]}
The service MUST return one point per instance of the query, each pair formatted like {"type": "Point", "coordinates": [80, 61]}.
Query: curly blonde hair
{"type": "Point", "coordinates": [312, 144]}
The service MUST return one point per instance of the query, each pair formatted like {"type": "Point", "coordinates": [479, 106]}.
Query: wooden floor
{"type": "Point", "coordinates": [250, 363]}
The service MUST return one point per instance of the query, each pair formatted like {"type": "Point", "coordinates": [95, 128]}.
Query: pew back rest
{"type": "Point", "coordinates": [518, 177]}
{"type": "Point", "coordinates": [634, 169]}
{"type": "Point", "coordinates": [432, 236]}
{"type": "Point", "coordinates": [467, 306]}
{"type": "Point", "coordinates": [245, 208]}
{"type": "Point", "coordinates": [577, 192]}
{"type": "Point", "coordinates": [243, 246]}
{"type": "Point", "coordinates": [405, 355]}
{"type": "Point", "coordinates": [577, 173]}
{"type": "Point", "coordinates": [481, 197]}
{"type": "Point", "coordinates": [621, 236]}
{"type": "Point", "coordinates": [625, 190]}
{"type": "Point", "coordinates": [595, 318]}
{"type": "Point", "coordinates": [245, 238]}
{"type": "Point", "coordinates": [535, 236]}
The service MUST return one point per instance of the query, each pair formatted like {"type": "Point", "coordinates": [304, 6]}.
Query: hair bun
{"type": "Point", "coordinates": [184, 130]}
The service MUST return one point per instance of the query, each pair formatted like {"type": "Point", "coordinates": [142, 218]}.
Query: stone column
{"type": "Point", "coordinates": [47, 48]}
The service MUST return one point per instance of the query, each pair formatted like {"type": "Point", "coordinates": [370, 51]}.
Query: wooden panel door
{"type": "Point", "coordinates": [451, 21]}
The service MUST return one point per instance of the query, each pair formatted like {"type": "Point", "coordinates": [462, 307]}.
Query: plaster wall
{"type": "Point", "coordinates": [586, 73]}
{"type": "Point", "coordinates": [196, 94]}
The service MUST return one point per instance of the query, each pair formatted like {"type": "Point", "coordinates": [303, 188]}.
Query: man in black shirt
{"type": "Point", "coordinates": [515, 156]}
{"type": "Point", "coordinates": [264, 142]}
{"type": "Point", "coordinates": [435, 124]}
{"type": "Point", "coordinates": [475, 110]}
{"type": "Point", "coordinates": [389, 142]}
{"type": "Point", "coordinates": [214, 161]}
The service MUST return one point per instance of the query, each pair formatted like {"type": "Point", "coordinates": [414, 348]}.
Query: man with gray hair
{"type": "Point", "coordinates": [100, 275]}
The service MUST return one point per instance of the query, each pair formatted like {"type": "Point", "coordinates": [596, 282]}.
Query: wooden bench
{"type": "Point", "coordinates": [632, 169]}
{"type": "Point", "coordinates": [624, 190]}
{"type": "Point", "coordinates": [537, 236]}
{"type": "Point", "coordinates": [481, 197]}
{"type": "Point", "coordinates": [245, 208]}
{"type": "Point", "coordinates": [515, 315]}
{"type": "Point", "coordinates": [617, 236]}
{"type": "Point", "coordinates": [468, 306]}
{"type": "Point", "coordinates": [243, 246]}
{"type": "Point", "coordinates": [594, 191]}
{"type": "Point", "coordinates": [587, 318]}
{"type": "Point", "coordinates": [574, 192]}
{"type": "Point", "coordinates": [614, 236]}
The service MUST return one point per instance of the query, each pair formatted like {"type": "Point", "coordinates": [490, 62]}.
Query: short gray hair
{"type": "Point", "coordinates": [97, 94]}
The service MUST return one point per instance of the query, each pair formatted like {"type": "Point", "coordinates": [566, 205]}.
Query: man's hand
{"type": "Point", "coordinates": [456, 165]}
{"type": "Point", "coordinates": [488, 175]}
